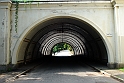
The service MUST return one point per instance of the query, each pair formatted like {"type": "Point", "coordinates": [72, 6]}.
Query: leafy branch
{"type": "Point", "coordinates": [16, 9]}
{"type": "Point", "coordinates": [16, 15]}
{"type": "Point", "coordinates": [61, 46]}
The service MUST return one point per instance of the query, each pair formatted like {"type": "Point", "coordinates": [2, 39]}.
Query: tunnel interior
{"type": "Point", "coordinates": [85, 41]}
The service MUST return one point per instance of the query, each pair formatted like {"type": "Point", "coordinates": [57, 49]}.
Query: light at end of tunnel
{"type": "Point", "coordinates": [63, 53]}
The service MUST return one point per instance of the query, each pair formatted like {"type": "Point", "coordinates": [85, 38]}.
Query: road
{"type": "Point", "coordinates": [64, 70]}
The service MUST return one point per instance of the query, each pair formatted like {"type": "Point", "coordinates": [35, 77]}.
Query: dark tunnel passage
{"type": "Point", "coordinates": [81, 36]}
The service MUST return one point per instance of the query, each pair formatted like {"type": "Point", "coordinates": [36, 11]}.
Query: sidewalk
{"type": "Point", "coordinates": [114, 73]}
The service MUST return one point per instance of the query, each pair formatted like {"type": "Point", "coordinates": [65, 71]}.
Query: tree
{"type": "Point", "coordinates": [61, 46]}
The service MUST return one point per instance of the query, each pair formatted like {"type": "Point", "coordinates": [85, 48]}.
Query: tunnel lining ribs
{"type": "Point", "coordinates": [83, 38]}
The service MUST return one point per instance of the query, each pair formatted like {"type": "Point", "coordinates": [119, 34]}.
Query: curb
{"type": "Point", "coordinates": [28, 70]}
{"type": "Point", "coordinates": [117, 78]}
{"type": "Point", "coordinates": [17, 76]}
{"type": "Point", "coordinates": [24, 72]}
{"type": "Point", "coordinates": [106, 73]}
{"type": "Point", "coordinates": [112, 76]}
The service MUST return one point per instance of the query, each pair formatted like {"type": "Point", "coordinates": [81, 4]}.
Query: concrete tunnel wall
{"type": "Point", "coordinates": [97, 45]}
{"type": "Point", "coordinates": [93, 45]}
{"type": "Point", "coordinates": [80, 18]}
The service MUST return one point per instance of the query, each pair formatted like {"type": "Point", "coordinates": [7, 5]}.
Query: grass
{"type": "Point", "coordinates": [122, 69]}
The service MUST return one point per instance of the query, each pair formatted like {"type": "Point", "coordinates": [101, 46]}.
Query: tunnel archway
{"type": "Point", "coordinates": [38, 40]}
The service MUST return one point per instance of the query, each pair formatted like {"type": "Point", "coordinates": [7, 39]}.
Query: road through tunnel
{"type": "Point", "coordinates": [84, 39]}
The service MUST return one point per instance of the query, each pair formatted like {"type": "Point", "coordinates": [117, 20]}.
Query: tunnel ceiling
{"type": "Point", "coordinates": [82, 37]}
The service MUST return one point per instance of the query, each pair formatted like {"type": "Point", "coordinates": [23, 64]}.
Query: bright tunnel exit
{"type": "Point", "coordinates": [62, 49]}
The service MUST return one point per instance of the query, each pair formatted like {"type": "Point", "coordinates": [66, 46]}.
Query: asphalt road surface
{"type": "Point", "coordinates": [64, 70]}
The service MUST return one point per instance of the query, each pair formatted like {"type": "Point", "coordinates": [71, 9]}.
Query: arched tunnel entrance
{"type": "Point", "coordinates": [84, 39]}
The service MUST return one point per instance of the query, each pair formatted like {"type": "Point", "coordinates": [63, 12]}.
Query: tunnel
{"type": "Point", "coordinates": [84, 39]}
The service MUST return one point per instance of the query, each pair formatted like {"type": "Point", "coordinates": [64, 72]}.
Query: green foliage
{"type": "Point", "coordinates": [22, 0]}
{"type": "Point", "coordinates": [16, 10]}
{"type": "Point", "coordinates": [122, 69]}
{"type": "Point", "coordinates": [16, 16]}
{"type": "Point", "coordinates": [61, 46]}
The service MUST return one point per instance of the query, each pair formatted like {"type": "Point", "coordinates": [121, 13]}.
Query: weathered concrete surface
{"type": "Point", "coordinates": [109, 25]}
{"type": "Point", "coordinates": [38, 14]}
{"type": "Point", "coordinates": [4, 33]}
